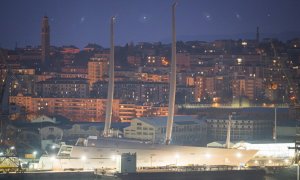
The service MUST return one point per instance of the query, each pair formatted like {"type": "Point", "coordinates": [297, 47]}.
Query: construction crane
{"type": "Point", "coordinates": [5, 86]}
{"type": "Point", "coordinates": [7, 82]}
{"type": "Point", "coordinates": [10, 83]}
{"type": "Point", "coordinates": [4, 100]}
{"type": "Point", "coordinates": [9, 159]}
{"type": "Point", "coordinates": [10, 162]}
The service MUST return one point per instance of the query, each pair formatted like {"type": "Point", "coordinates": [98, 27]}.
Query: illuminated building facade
{"type": "Point", "coordinates": [98, 68]}
{"type": "Point", "coordinates": [135, 91]}
{"type": "Point", "coordinates": [76, 109]}
{"type": "Point", "coordinates": [127, 112]}
{"type": "Point", "coordinates": [63, 87]}
{"type": "Point", "coordinates": [183, 61]}
{"type": "Point", "coordinates": [134, 60]}
{"type": "Point", "coordinates": [249, 87]}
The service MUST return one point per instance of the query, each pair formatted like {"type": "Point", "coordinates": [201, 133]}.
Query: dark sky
{"type": "Point", "coordinates": [79, 22]}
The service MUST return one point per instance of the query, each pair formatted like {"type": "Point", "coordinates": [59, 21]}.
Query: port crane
{"type": "Point", "coordinates": [9, 160]}
{"type": "Point", "coordinates": [4, 98]}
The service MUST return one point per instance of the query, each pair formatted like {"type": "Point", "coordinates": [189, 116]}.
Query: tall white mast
{"type": "Point", "coordinates": [275, 126]}
{"type": "Point", "coordinates": [109, 103]}
{"type": "Point", "coordinates": [172, 81]}
{"type": "Point", "coordinates": [228, 132]}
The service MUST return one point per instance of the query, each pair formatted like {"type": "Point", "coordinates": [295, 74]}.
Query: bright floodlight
{"type": "Point", "coordinates": [53, 158]}
{"type": "Point", "coordinates": [12, 148]}
{"type": "Point", "coordinates": [34, 152]}
{"type": "Point", "coordinates": [53, 147]}
{"type": "Point", "coordinates": [208, 155]}
{"type": "Point", "coordinates": [270, 161]}
{"type": "Point", "coordinates": [1, 153]}
{"type": "Point", "coordinates": [83, 158]}
{"type": "Point", "coordinates": [239, 60]}
{"type": "Point", "coordinates": [256, 162]}
{"type": "Point", "coordinates": [239, 155]}
{"type": "Point", "coordinates": [177, 156]}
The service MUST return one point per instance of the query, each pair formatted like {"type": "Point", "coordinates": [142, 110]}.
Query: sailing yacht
{"type": "Point", "coordinates": [97, 153]}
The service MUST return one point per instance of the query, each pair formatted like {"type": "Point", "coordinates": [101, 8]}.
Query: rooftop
{"type": "Point", "coordinates": [162, 120]}
{"type": "Point", "coordinates": [64, 81]}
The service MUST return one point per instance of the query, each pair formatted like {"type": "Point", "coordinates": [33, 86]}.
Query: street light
{"type": "Point", "coordinates": [113, 157]}
{"type": "Point", "coordinates": [208, 156]}
{"type": "Point", "coordinates": [239, 155]}
{"type": "Point", "coordinates": [270, 161]}
{"type": "Point", "coordinates": [83, 158]}
{"type": "Point", "coordinates": [34, 153]}
{"type": "Point", "coordinates": [53, 158]}
{"type": "Point", "coordinates": [151, 155]}
{"type": "Point", "coordinates": [176, 157]}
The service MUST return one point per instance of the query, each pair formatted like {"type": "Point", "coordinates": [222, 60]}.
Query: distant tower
{"type": "Point", "coordinates": [45, 41]}
{"type": "Point", "coordinates": [257, 34]}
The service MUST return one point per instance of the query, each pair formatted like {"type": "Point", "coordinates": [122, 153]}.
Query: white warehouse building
{"type": "Point", "coordinates": [187, 130]}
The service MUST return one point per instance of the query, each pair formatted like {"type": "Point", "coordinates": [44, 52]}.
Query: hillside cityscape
{"type": "Point", "coordinates": [72, 83]}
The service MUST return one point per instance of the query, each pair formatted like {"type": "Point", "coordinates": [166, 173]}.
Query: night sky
{"type": "Point", "coordinates": [79, 22]}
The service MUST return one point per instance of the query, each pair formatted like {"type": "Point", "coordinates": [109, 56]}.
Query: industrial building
{"type": "Point", "coordinates": [187, 130]}
{"type": "Point", "coordinates": [241, 129]}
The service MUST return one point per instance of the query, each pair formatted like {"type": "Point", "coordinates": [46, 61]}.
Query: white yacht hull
{"type": "Point", "coordinates": [147, 155]}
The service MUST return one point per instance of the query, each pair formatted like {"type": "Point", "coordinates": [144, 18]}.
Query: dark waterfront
{"type": "Point", "coordinates": [286, 173]}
